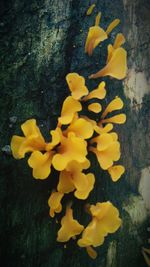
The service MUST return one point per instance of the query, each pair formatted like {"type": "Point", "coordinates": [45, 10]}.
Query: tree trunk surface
{"type": "Point", "coordinates": [42, 41]}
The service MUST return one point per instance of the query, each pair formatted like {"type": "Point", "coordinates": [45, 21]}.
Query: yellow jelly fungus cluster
{"type": "Point", "coordinates": [75, 136]}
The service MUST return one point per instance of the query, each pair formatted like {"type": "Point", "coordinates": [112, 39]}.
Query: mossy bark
{"type": "Point", "coordinates": [41, 41]}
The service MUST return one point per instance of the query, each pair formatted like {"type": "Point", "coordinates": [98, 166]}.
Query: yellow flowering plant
{"type": "Point", "coordinates": [77, 135]}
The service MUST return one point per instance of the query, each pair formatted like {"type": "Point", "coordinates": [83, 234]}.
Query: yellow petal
{"type": "Point", "coordinates": [105, 220]}
{"type": "Point", "coordinates": [70, 107]}
{"type": "Point", "coordinates": [91, 252]}
{"type": "Point", "coordinates": [95, 36]}
{"type": "Point", "coordinates": [116, 67]}
{"type": "Point", "coordinates": [99, 92]}
{"type": "Point", "coordinates": [76, 85]}
{"type": "Point", "coordinates": [82, 128]}
{"type": "Point", "coordinates": [97, 20]}
{"type": "Point", "coordinates": [116, 172]}
{"type": "Point", "coordinates": [71, 148]}
{"type": "Point", "coordinates": [41, 164]}
{"type": "Point", "coordinates": [90, 10]}
{"type": "Point", "coordinates": [112, 25]}
{"type": "Point", "coordinates": [119, 119]}
{"type": "Point", "coordinates": [120, 40]}
{"type": "Point", "coordinates": [69, 227]}
{"type": "Point", "coordinates": [115, 104]}
{"type": "Point", "coordinates": [54, 203]}
{"type": "Point", "coordinates": [65, 184]}
{"type": "Point", "coordinates": [95, 107]}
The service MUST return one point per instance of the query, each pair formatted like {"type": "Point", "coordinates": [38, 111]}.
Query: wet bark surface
{"type": "Point", "coordinates": [42, 41]}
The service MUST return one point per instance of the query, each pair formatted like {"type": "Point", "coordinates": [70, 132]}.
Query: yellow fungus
{"type": "Point", "coordinates": [54, 203]}
{"type": "Point", "coordinates": [112, 25]}
{"type": "Point", "coordinates": [76, 85]}
{"type": "Point", "coordinates": [115, 104]}
{"type": "Point", "coordinates": [105, 220]}
{"type": "Point", "coordinates": [70, 107]}
{"type": "Point", "coordinates": [71, 148]}
{"type": "Point", "coordinates": [116, 67]}
{"type": "Point", "coordinates": [91, 252]}
{"type": "Point", "coordinates": [90, 10]}
{"type": "Point", "coordinates": [116, 171]}
{"type": "Point", "coordinates": [119, 119]}
{"type": "Point", "coordinates": [69, 227]}
{"type": "Point", "coordinates": [97, 19]}
{"type": "Point", "coordinates": [32, 141]}
{"type": "Point", "coordinates": [99, 92]}
{"type": "Point", "coordinates": [95, 107]}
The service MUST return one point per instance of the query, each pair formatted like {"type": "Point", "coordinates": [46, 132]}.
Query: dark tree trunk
{"type": "Point", "coordinates": [42, 41]}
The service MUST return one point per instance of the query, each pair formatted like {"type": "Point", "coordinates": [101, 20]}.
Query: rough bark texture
{"type": "Point", "coordinates": [41, 41]}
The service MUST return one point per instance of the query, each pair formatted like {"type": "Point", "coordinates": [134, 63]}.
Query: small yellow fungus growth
{"type": "Point", "coordinates": [76, 84]}
{"type": "Point", "coordinates": [70, 107]}
{"type": "Point", "coordinates": [32, 141]}
{"type": "Point", "coordinates": [69, 227]}
{"type": "Point", "coordinates": [99, 92]}
{"type": "Point", "coordinates": [56, 137]}
{"type": "Point", "coordinates": [105, 220]}
{"type": "Point", "coordinates": [71, 148]}
{"type": "Point", "coordinates": [106, 129]}
{"type": "Point", "coordinates": [74, 179]}
{"type": "Point", "coordinates": [116, 66]}
{"type": "Point", "coordinates": [91, 252]}
{"type": "Point", "coordinates": [118, 119]}
{"type": "Point", "coordinates": [116, 171]}
{"type": "Point", "coordinates": [97, 19]}
{"type": "Point", "coordinates": [95, 36]}
{"type": "Point", "coordinates": [115, 104]}
{"type": "Point", "coordinates": [95, 107]}
{"type": "Point", "coordinates": [112, 25]}
{"type": "Point", "coordinates": [81, 127]}
{"type": "Point", "coordinates": [54, 203]}
{"type": "Point", "coordinates": [119, 41]}
{"type": "Point", "coordinates": [107, 150]}
{"type": "Point", "coordinates": [90, 10]}
{"type": "Point", "coordinates": [41, 164]}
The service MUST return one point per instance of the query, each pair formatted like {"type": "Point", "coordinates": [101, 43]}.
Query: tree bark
{"type": "Point", "coordinates": [42, 41]}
